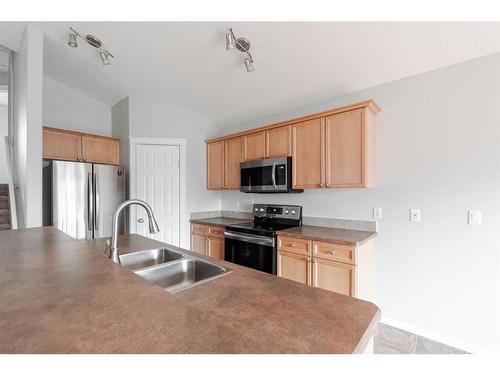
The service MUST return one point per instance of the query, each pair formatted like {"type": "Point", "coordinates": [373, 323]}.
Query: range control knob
{"type": "Point", "coordinates": [287, 212]}
{"type": "Point", "coordinates": [293, 212]}
{"type": "Point", "coordinates": [261, 209]}
{"type": "Point", "coordinates": [256, 209]}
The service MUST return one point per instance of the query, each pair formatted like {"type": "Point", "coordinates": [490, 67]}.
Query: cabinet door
{"type": "Point", "coordinates": [254, 146]}
{"type": "Point", "coordinates": [334, 276]}
{"type": "Point", "coordinates": [61, 145]}
{"type": "Point", "coordinates": [345, 156]}
{"type": "Point", "coordinates": [216, 248]}
{"type": "Point", "coordinates": [294, 267]}
{"type": "Point", "coordinates": [232, 160]}
{"type": "Point", "coordinates": [279, 142]}
{"type": "Point", "coordinates": [199, 244]}
{"type": "Point", "coordinates": [308, 154]}
{"type": "Point", "coordinates": [215, 165]}
{"type": "Point", "coordinates": [100, 150]}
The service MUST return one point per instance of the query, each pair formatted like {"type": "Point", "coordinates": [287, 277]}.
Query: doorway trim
{"type": "Point", "coordinates": [183, 212]}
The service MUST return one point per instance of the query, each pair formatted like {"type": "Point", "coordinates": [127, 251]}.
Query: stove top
{"type": "Point", "coordinates": [268, 219]}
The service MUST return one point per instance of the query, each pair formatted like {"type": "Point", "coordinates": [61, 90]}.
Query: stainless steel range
{"type": "Point", "coordinates": [254, 244]}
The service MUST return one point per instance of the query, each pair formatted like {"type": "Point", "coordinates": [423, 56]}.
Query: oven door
{"type": "Point", "coordinates": [265, 176]}
{"type": "Point", "coordinates": [249, 250]}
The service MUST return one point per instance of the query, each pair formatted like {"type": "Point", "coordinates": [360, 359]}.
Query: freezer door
{"type": "Point", "coordinates": [109, 187]}
{"type": "Point", "coordinates": [71, 197]}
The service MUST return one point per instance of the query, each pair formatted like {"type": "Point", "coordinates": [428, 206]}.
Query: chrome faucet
{"type": "Point", "coordinates": [112, 249]}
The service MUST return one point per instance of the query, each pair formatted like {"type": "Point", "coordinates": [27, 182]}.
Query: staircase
{"type": "Point", "coordinates": [5, 223]}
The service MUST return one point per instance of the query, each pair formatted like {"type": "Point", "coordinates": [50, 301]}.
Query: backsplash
{"type": "Point", "coordinates": [365, 225]}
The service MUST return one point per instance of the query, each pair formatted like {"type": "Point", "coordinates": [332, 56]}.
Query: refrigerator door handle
{"type": "Point", "coordinates": [97, 198]}
{"type": "Point", "coordinates": [90, 204]}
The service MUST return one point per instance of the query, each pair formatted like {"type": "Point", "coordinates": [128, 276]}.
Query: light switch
{"type": "Point", "coordinates": [415, 214]}
{"type": "Point", "coordinates": [377, 212]}
{"type": "Point", "coordinates": [475, 217]}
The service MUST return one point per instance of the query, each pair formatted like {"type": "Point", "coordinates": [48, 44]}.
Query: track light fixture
{"type": "Point", "coordinates": [242, 45]}
{"type": "Point", "coordinates": [95, 42]}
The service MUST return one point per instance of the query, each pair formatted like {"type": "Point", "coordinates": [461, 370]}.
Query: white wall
{"type": "Point", "coordinates": [69, 109]}
{"type": "Point", "coordinates": [120, 129]}
{"type": "Point", "coordinates": [4, 131]}
{"type": "Point", "coordinates": [149, 118]}
{"type": "Point", "coordinates": [27, 134]}
{"type": "Point", "coordinates": [157, 119]}
{"type": "Point", "coordinates": [438, 149]}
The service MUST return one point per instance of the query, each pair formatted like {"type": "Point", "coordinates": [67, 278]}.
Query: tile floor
{"type": "Point", "coordinates": [390, 340]}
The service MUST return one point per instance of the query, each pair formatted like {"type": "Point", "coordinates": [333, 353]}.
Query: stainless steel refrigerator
{"type": "Point", "coordinates": [80, 198]}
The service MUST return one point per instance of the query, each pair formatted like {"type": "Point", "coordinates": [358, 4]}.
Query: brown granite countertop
{"type": "Point", "coordinates": [335, 235]}
{"type": "Point", "coordinates": [59, 295]}
{"type": "Point", "coordinates": [219, 221]}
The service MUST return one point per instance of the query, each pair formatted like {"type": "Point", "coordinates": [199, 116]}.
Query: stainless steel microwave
{"type": "Point", "coordinates": [267, 176]}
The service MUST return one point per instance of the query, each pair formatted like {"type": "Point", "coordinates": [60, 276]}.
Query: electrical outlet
{"type": "Point", "coordinates": [377, 212]}
{"type": "Point", "coordinates": [475, 217]}
{"type": "Point", "coordinates": [415, 214]}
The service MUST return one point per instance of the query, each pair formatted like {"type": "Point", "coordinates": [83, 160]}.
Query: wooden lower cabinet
{"type": "Point", "coordinates": [199, 244]}
{"type": "Point", "coordinates": [339, 268]}
{"type": "Point", "coordinates": [215, 248]}
{"type": "Point", "coordinates": [207, 240]}
{"type": "Point", "coordinates": [294, 267]}
{"type": "Point", "coordinates": [334, 276]}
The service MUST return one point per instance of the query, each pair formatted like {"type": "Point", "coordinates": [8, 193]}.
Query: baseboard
{"type": "Point", "coordinates": [444, 339]}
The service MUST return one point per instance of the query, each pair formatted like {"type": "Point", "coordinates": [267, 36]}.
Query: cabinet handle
{"type": "Point", "coordinates": [292, 245]}
{"type": "Point", "coordinates": [327, 185]}
{"type": "Point", "coordinates": [320, 185]}
{"type": "Point", "coordinates": [333, 252]}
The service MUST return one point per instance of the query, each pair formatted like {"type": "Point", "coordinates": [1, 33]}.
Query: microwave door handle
{"type": "Point", "coordinates": [274, 176]}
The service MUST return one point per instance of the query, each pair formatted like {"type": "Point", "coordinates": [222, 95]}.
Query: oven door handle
{"type": "Point", "coordinates": [259, 240]}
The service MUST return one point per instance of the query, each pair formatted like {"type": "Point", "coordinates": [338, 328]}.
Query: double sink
{"type": "Point", "coordinates": [172, 270]}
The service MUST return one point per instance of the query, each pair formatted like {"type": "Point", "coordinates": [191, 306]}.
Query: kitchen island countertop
{"type": "Point", "coordinates": [60, 295]}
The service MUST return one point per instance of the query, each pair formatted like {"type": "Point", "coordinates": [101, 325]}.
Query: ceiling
{"type": "Point", "coordinates": [185, 63]}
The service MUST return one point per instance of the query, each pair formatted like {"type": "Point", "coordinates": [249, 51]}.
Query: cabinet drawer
{"type": "Point", "coordinates": [199, 229]}
{"type": "Point", "coordinates": [294, 245]}
{"type": "Point", "coordinates": [331, 251]}
{"type": "Point", "coordinates": [215, 231]}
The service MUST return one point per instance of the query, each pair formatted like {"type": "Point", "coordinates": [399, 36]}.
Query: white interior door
{"type": "Point", "coordinates": [158, 183]}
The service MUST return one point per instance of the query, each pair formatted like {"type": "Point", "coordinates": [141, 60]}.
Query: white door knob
{"type": "Point", "coordinates": [141, 220]}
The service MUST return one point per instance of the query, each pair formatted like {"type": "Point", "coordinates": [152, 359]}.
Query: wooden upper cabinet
{"type": "Point", "coordinates": [308, 154]}
{"type": "Point", "coordinates": [254, 146]}
{"type": "Point", "coordinates": [100, 150]}
{"type": "Point", "coordinates": [232, 160]}
{"type": "Point", "coordinates": [62, 145]}
{"type": "Point", "coordinates": [347, 149]}
{"type": "Point", "coordinates": [279, 142]}
{"type": "Point", "coordinates": [334, 276]}
{"type": "Point", "coordinates": [331, 149]}
{"type": "Point", "coordinates": [215, 165]}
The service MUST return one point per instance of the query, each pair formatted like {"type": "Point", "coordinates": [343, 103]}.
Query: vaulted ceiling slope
{"type": "Point", "coordinates": [186, 64]}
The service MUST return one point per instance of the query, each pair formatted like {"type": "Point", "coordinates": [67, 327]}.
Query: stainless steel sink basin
{"type": "Point", "coordinates": [182, 274]}
{"type": "Point", "coordinates": [149, 258]}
